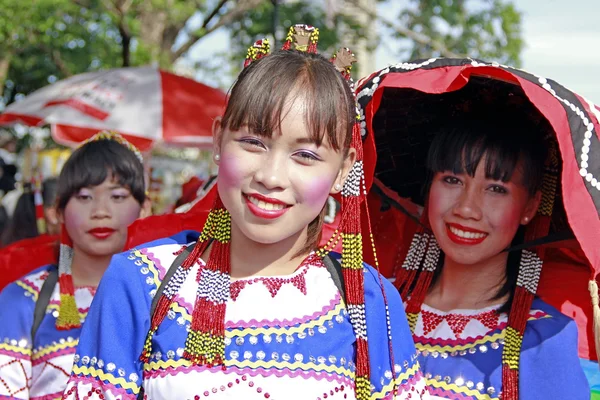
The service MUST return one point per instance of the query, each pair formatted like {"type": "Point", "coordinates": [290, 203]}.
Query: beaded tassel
{"type": "Point", "coordinates": [68, 315]}
{"type": "Point", "coordinates": [530, 269]}
{"type": "Point", "coordinates": [410, 267]}
{"type": "Point", "coordinates": [205, 344]}
{"type": "Point", "coordinates": [413, 259]}
{"type": "Point", "coordinates": [173, 286]}
{"type": "Point", "coordinates": [385, 300]}
{"type": "Point", "coordinates": [527, 281]}
{"type": "Point", "coordinates": [352, 266]}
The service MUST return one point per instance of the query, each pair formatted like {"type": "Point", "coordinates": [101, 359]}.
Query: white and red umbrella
{"type": "Point", "coordinates": [144, 104]}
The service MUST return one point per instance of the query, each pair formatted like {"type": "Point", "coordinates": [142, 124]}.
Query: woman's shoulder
{"type": "Point", "coordinates": [373, 279]}
{"type": "Point", "coordinates": [543, 314]}
{"type": "Point", "coordinates": [17, 304]}
{"type": "Point", "coordinates": [28, 287]}
{"type": "Point", "coordinates": [547, 326]}
{"type": "Point", "coordinates": [147, 263]}
{"type": "Point", "coordinates": [156, 250]}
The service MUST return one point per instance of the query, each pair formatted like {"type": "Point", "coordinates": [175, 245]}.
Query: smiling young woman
{"type": "Point", "coordinates": [250, 308]}
{"type": "Point", "coordinates": [466, 141]}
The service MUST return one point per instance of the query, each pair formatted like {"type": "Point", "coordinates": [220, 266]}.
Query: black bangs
{"type": "Point", "coordinates": [462, 146]}
{"type": "Point", "coordinates": [92, 163]}
{"type": "Point", "coordinates": [264, 90]}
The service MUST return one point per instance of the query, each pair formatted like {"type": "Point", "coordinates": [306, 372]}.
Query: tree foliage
{"type": "Point", "coordinates": [53, 40]}
{"type": "Point", "coordinates": [485, 29]}
{"type": "Point", "coordinates": [57, 38]}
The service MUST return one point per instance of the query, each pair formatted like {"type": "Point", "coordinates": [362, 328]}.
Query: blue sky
{"type": "Point", "coordinates": [562, 42]}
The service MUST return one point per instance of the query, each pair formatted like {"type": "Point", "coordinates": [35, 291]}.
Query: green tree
{"type": "Point", "coordinates": [485, 29]}
{"type": "Point", "coordinates": [52, 40]}
{"type": "Point", "coordinates": [57, 38]}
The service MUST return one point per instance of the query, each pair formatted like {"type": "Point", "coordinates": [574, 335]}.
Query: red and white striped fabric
{"type": "Point", "coordinates": [144, 104]}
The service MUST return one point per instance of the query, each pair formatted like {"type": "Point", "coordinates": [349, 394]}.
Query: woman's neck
{"type": "Point", "coordinates": [250, 258]}
{"type": "Point", "coordinates": [88, 269]}
{"type": "Point", "coordinates": [471, 287]}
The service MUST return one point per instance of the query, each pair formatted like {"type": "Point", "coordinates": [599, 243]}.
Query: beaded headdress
{"type": "Point", "coordinates": [68, 315]}
{"type": "Point", "coordinates": [205, 344]}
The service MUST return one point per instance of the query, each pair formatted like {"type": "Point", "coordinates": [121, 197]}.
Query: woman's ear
{"type": "Point", "coordinates": [531, 208]}
{"type": "Point", "coordinates": [51, 215]}
{"type": "Point", "coordinates": [347, 165]}
{"type": "Point", "coordinates": [146, 210]}
{"type": "Point", "coordinates": [217, 132]}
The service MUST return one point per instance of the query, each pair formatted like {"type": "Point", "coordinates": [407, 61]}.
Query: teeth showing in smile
{"type": "Point", "coordinates": [467, 235]}
{"type": "Point", "coordinates": [264, 205]}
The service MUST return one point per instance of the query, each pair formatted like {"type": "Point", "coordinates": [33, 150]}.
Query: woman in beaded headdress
{"type": "Point", "coordinates": [476, 146]}
{"type": "Point", "coordinates": [250, 308]}
{"type": "Point", "coordinates": [100, 193]}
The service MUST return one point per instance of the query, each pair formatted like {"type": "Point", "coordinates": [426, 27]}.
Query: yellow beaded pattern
{"type": "Point", "coordinates": [259, 49]}
{"type": "Point", "coordinates": [352, 251]}
{"type": "Point", "coordinates": [205, 348]}
{"type": "Point", "coordinates": [512, 352]}
{"type": "Point", "coordinates": [68, 316]}
{"type": "Point", "coordinates": [363, 388]}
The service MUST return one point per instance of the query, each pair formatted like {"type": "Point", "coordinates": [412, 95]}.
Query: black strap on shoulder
{"type": "Point", "coordinates": [170, 272]}
{"type": "Point", "coordinates": [335, 270]}
{"type": "Point", "coordinates": [172, 269]}
{"type": "Point", "coordinates": [43, 300]}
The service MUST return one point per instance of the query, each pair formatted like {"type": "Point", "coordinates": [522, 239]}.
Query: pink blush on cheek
{"type": "Point", "coordinates": [74, 218]}
{"type": "Point", "coordinates": [231, 171]}
{"type": "Point", "coordinates": [316, 191]}
{"type": "Point", "coordinates": [130, 214]}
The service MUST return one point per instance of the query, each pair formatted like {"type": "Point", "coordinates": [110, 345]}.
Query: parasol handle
{"type": "Point", "coordinates": [593, 288]}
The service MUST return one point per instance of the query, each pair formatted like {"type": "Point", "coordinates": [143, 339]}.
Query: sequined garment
{"type": "Point", "coordinates": [460, 353]}
{"type": "Point", "coordinates": [39, 370]}
{"type": "Point", "coordinates": [286, 337]}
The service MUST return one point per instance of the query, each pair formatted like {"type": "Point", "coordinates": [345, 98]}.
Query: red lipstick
{"type": "Point", "coordinates": [101, 233]}
{"type": "Point", "coordinates": [469, 241]}
{"type": "Point", "coordinates": [253, 201]}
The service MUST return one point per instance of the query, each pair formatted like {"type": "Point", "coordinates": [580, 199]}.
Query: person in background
{"type": "Point", "coordinates": [25, 222]}
{"type": "Point", "coordinates": [100, 192]}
